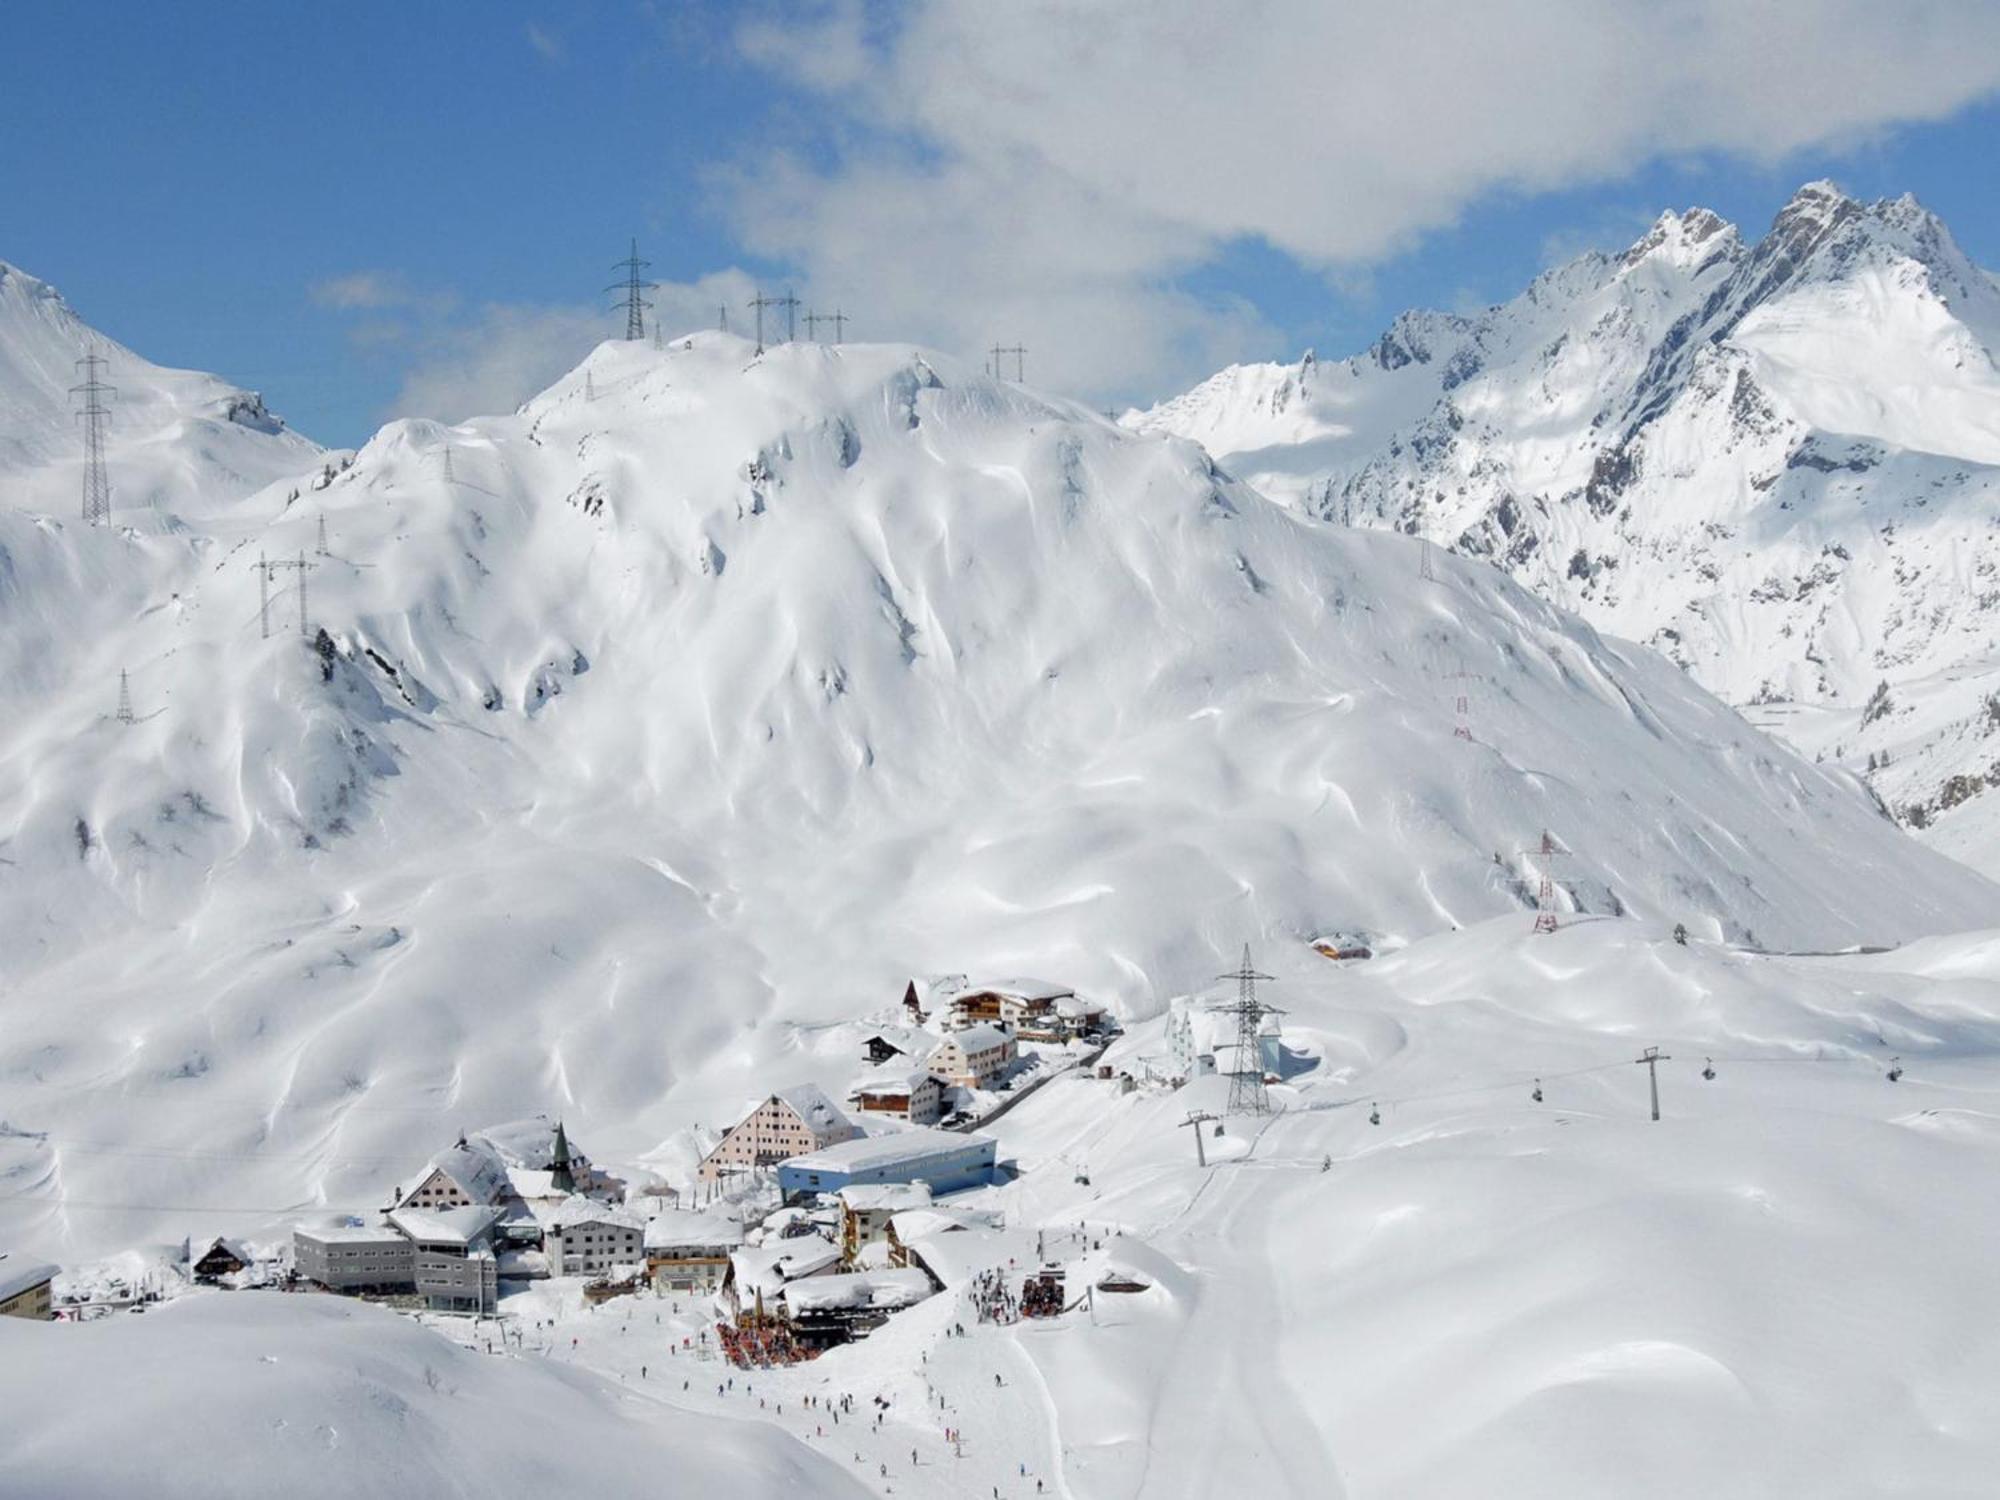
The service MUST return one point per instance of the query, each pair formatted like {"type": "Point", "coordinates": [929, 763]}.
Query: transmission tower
{"type": "Point", "coordinates": [1425, 569]}
{"type": "Point", "coordinates": [839, 321]}
{"type": "Point", "coordinates": [760, 302]}
{"type": "Point", "coordinates": [451, 478]}
{"type": "Point", "coordinates": [635, 288]}
{"type": "Point", "coordinates": [791, 306]}
{"type": "Point", "coordinates": [722, 317]}
{"type": "Point", "coordinates": [1548, 851]}
{"type": "Point", "coordinates": [590, 385]}
{"type": "Point", "coordinates": [94, 414]}
{"type": "Point", "coordinates": [1461, 705]}
{"type": "Point", "coordinates": [125, 715]}
{"type": "Point", "coordinates": [319, 543]}
{"type": "Point", "coordinates": [1247, 1095]}
{"type": "Point", "coordinates": [813, 320]}
{"type": "Point", "coordinates": [1020, 353]}
{"type": "Point", "coordinates": [265, 572]}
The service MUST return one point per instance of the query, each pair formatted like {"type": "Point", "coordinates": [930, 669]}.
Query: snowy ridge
{"type": "Point", "coordinates": [1779, 463]}
{"type": "Point", "coordinates": [660, 730]}
{"type": "Point", "coordinates": [177, 442]}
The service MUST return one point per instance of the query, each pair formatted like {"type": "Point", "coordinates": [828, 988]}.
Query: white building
{"type": "Point", "coordinates": [469, 1175]}
{"type": "Point", "coordinates": [866, 1209]}
{"type": "Point", "coordinates": [587, 1237]}
{"type": "Point", "coordinates": [25, 1289]}
{"type": "Point", "coordinates": [902, 1093]}
{"type": "Point", "coordinates": [1202, 1041]}
{"type": "Point", "coordinates": [974, 1057]}
{"type": "Point", "coordinates": [689, 1252]}
{"type": "Point", "coordinates": [789, 1123]}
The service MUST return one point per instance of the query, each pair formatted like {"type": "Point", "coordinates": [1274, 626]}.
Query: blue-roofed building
{"type": "Point", "coordinates": [945, 1162]}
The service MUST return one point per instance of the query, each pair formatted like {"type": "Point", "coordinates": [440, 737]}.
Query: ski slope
{"type": "Point", "coordinates": [661, 729]}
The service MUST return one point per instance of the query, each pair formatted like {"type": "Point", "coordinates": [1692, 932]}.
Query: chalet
{"type": "Point", "coordinates": [756, 1276]}
{"type": "Point", "coordinates": [1018, 1004]}
{"type": "Point", "coordinates": [543, 1165]}
{"type": "Point", "coordinates": [902, 1093]}
{"type": "Point", "coordinates": [865, 1212]}
{"type": "Point", "coordinates": [374, 1258]}
{"type": "Point", "coordinates": [824, 1311]}
{"type": "Point", "coordinates": [972, 1057]}
{"type": "Point", "coordinates": [587, 1238]}
{"type": "Point", "coordinates": [470, 1175]}
{"type": "Point", "coordinates": [689, 1252]}
{"type": "Point", "coordinates": [26, 1289]}
{"type": "Point", "coordinates": [788, 1123]}
{"type": "Point", "coordinates": [218, 1258]}
{"type": "Point", "coordinates": [890, 1043]}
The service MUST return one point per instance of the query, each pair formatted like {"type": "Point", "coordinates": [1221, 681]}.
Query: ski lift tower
{"type": "Point", "coordinates": [1247, 1095]}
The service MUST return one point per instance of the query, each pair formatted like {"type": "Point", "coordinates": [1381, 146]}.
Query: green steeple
{"type": "Point", "coordinates": [562, 1178]}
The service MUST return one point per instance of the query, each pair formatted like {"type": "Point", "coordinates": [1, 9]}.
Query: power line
{"type": "Point", "coordinates": [96, 479]}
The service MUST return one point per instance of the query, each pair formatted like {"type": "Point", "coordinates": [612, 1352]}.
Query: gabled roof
{"type": "Point", "coordinates": [529, 1143]}
{"type": "Point", "coordinates": [474, 1166]}
{"type": "Point", "coordinates": [767, 1268]}
{"type": "Point", "coordinates": [1019, 989]}
{"type": "Point", "coordinates": [890, 1195]}
{"type": "Point", "coordinates": [679, 1229]}
{"type": "Point", "coordinates": [978, 1038]}
{"type": "Point", "coordinates": [578, 1210]}
{"type": "Point", "coordinates": [809, 1102]}
{"type": "Point", "coordinates": [17, 1276]}
{"type": "Point", "coordinates": [914, 1224]}
{"type": "Point", "coordinates": [223, 1243]}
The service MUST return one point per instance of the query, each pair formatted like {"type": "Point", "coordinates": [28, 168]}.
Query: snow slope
{"type": "Point", "coordinates": [258, 1394]}
{"type": "Point", "coordinates": [673, 720]}
{"type": "Point", "coordinates": [177, 443]}
{"type": "Point", "coordinates": [1779, 463]}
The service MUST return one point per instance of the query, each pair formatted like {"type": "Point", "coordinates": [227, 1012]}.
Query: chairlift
{"type": "Point", "coordinates": [1537, 1095]}
{"type": "Point", "coordinates": [1374, 1114]}
{"type": "Point", "coordinates": [1708, 1068]}
{"type": "Point", "coordinates": [1895, 1069]}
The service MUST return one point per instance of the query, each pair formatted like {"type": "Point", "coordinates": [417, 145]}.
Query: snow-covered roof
{"type": "Point", "coordinates": [445, 1226]}
{"type": "Point", "coordinates": [886, 1289]}
{"type": "Point", "coordinates": [890, 1195]}
{"type": "Point", "coordinates": [474, 1166]}
{"type": "Point", "coordinates": [978, 1038]}
{"type": "Point", "coordinates": [957, 1258]}
{"type": "Point", "coordinates": [892, 1080]}
{"type": "Point", "coordinates": [529, 1143]}
{"type": "Point", "coordinates": [886, 1150]}
{"type": "Point", "coordinates": [914, 1224]}
{"type": "Point", "coordinates": [912, 1041]}
{"type": "Point", "coordinates": [577, 1210]}
{"type": "Point", "coordinates": [680, 1229]}
{"type": "Point", "coordinates": [1020, 989]}
{"type": "Point", "coordinates": [810, 1103]}
{"type": "Point", "coordinates": [226, 1245]}
{"type": "Point", "coordinates": [1071, 1005]}
{"type": "Point", "coordinates": [17, 1276]}
{"type": "Point", "coordinates": [767, 1268]}
{"type": "Point", "coordinates": [350, 1234]}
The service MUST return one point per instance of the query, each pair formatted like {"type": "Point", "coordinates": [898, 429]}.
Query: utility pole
{"type": "Point", "coordinates": [635, 289]}
{"type": "Point", "coordinates": [839, 320]}
{"type": "Point", "coordinates": [791, 306]}
{"type": "Point", "coordinates": [1020, 353]}
{"type": "Point", "coordinates": [813, 320]}
{"type": "Point", "coordinates": [1247, 1095]}
{"type": "Point", "coordinates": [1652, 1058]}
{"type": "Point", "coordinates": [94, 414]}
{"type": "Point", "coordinates": [1195, 1120]}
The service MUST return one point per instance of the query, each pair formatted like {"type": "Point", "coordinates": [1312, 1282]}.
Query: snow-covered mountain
{"type": "Point", "coordinates": [641, 738]}
{"type": "Point", "coordinates": [1777, 462]}
{"type": "Point", "coordinates": [178, 443]}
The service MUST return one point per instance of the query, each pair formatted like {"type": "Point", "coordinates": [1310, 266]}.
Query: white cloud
{"type": "Point", "coordinates": [360, 291]}
{"type": "Point", "coordinates": [502, 354]}
{"type": "Point", "coordinates": [547, 43]}
{"type": "Point", "coordinates": [1047, 169]}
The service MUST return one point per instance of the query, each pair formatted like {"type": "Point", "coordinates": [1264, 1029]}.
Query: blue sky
{"type": "Point", "coordinates": [344, 206]}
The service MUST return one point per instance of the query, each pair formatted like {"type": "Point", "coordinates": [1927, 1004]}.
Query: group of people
{"type": "Point", "coordinates": [993, 1299]}
{"type": "Point", "coordinates": [762, 1345]}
